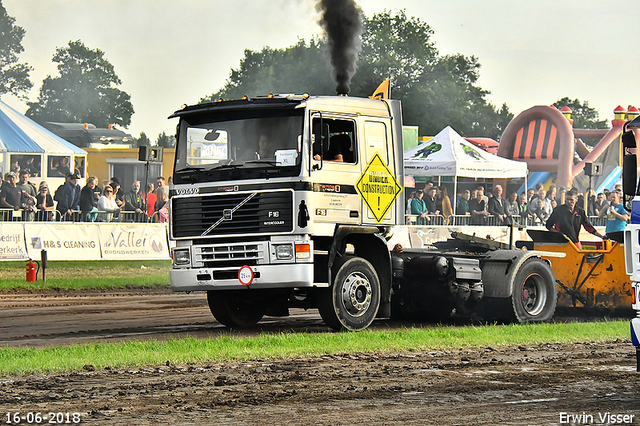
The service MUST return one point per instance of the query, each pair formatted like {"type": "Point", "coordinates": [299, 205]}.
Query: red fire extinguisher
{"type": "Point", "coordinates": [32, 272]}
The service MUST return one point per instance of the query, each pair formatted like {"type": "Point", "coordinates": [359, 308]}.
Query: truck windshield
{"type": "Point", "coordinates": [240, 139]}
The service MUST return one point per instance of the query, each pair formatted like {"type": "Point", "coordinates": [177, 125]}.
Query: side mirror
{"type": "Point", "coordinates": [629, 174]}
{"type": "Point", "coordinates": [628, 140]}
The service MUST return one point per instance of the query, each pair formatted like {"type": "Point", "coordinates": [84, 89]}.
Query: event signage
{"type": "Point", "coordinates": [62, 241]}
{"type": "Point", "coordinates": [12, 245]}
{"type": "Point", "coordinates": [134, 241]}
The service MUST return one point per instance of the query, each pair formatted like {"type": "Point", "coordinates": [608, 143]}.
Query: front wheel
{"type": "Point", "coordinates": [235, 308]}
{"type": "Point", "coordinates": [353, 300]}
{"type": "Point", "coordinates": [534, 293]}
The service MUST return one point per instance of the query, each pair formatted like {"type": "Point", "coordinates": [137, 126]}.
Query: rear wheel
{"type": "Point", "coordinates": [353, 300]}
{"type": "Point", "coordinates": [235, 308]}
{"type": "Point", "coordinates": [534, 295]}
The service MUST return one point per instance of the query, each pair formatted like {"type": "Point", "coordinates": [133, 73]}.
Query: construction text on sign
{"type": "Point", "coordinates": [378, 187]}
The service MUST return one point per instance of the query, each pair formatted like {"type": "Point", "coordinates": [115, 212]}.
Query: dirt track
{"type": "Point", "coordinates": [511, 386]}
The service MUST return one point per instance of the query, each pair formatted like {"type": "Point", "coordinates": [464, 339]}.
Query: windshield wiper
{"type": "Point", "coordinates": [188, 169]}
{"type": "Point", "coordinates": [220, 166]}
{"type": "Point", "coordinates": [271, 162]}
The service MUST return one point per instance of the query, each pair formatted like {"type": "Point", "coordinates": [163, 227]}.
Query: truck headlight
{"type": "Point", "coordinates": [284, 252]}
{"type": "Point", "coordinates": [181, 257]}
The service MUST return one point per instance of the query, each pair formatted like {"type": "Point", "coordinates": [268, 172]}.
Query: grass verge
{"type": "Point", "coordinates": [78, 275]}
{"type": "Point", "coordinates": [294, 345]}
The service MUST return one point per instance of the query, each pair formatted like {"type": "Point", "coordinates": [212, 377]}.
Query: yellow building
{"type": "Point", "coordinates": [123, 163]}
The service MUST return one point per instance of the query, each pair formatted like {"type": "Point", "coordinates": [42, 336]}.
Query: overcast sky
{"type": "Point", "coordinates": [170, 52]}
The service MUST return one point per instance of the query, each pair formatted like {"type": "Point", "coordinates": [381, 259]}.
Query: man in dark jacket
{"type": "Point", "coordinates": [69, 199]}
{"type": "Point", "coordinates": [497, 206]}
{"type": "Point", "coordinates": [89, 200]}
{"type": "Point", "coordinates": [134, 202]}
{"type": "Point", "coordinates": [569, 218]}
{"type": "Point", "coordinates": [10, 196]}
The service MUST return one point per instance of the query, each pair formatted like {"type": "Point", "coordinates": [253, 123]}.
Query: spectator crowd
{"type": "Point", "coordinates": [20, 200]}
{"type": "Point", "coordinates": [534, 207]}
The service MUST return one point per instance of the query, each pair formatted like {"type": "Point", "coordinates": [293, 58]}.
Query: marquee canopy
{"type": "Point", "coordinates": [449, 154]}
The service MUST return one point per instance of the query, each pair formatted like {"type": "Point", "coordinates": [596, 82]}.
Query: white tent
{"type": "Point", "coordinates": [26, 144]}
{"type": "Point", "coordinates": [449, 154]}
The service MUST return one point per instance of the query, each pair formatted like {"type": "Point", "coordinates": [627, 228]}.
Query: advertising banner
{"type": "Point", "coordinates": [63, 241]}
{"type": "Point", "coordinates": [134, 241]}
{"type": "Point", "coordinates": [12, 246]}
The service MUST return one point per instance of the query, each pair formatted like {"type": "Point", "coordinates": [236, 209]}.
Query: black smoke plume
{"type": "Point", "coordinates": [342, 24]}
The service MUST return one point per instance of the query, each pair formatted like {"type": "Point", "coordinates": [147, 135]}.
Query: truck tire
{"type": "Point", "coordinates": [535, 295]}
{"type": "Point", "coordinates": [234, 309]}
{"type": "Point", "coordinates": [353, 300]}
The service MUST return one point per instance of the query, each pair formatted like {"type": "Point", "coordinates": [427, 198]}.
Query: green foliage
{"type": "Point", "coordinates": [166, 141]}
{"type": "Point", "coordinates": [302, 68]}
{"type": "Point", "coordinates": [85, 91]}
{"type": "Point", "coordinates": [14, 76]}
{"type": "Point", "coordinates": [142, 140]}
{"type": "Point", "coordinates": [584, 117]}
{"type": "Point", "coordinates": [436, 90]}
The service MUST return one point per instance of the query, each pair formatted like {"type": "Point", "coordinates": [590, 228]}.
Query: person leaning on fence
{"type": "Point", "coordinates": [419, 208]}
{"type": "Point", "coordinates": [10, 196]}
{"type": "Point", "coordinates": [28, 195]}
{"type": "Point", "coordinates": [601, 205]}
{"type": "Point", "coordinates": [161, 208]}
{"type": "Point", "coordinates": [443, 201]}
{"type": "Point", "coordinates": [89, 200]}
{"type": "Point", "coordinates": [478, 210]}
{"type": "Point", "coordinates": [540, 215]}
{"type": "Point", "coordinates": [107, 206]}
{"type": "Point", "coordinates": [44, 203]}
{"type": "Point", "coordinates": [497, 207]}
{"type": "Point", "coordinates": [150, 199]}
{"type": "Point", "coordinates": [69, 197]}
{"type": "Point", "coordinates": [134, 202]}
{"type": "Point", "coordinates": [462, 207]}
{"type": "Point", "coordinates": [512, 208]}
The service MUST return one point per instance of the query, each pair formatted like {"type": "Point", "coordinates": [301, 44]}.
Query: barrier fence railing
{"type": "Point", "coordinates": [11, 215]}
{"type": "Point", "coordinates": [490, 220]}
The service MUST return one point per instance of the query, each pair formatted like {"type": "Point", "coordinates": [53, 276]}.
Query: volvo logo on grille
{"type": "Point", "coordinates": [228, 213]}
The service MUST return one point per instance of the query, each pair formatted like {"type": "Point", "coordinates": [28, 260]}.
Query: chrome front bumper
{"type": "Point", "coordinates": [265, 276]}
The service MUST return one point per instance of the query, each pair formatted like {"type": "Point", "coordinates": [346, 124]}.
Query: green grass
{"type": "Point", "coordinates": [191, 350]}
{"type": "Point", "coordinates": [76, 275]}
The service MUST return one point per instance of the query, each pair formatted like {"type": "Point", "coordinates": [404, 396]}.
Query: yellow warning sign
{"type": "Point", "coordinates": [378, 187]}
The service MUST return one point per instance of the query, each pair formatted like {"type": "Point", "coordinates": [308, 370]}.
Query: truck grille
{"type": "Point", "coordinates": [234, 255]}
{"type": "Point", "coordinates": [221, 215]}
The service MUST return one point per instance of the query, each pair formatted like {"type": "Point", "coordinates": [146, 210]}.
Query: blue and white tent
{"type": "Point", "coordinates": [26, 144]}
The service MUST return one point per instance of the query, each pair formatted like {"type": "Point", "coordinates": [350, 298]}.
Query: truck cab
{"type": "Point", "coordinates": [270, 185]}
{"type": "Point", "coordinates": [631, 189]}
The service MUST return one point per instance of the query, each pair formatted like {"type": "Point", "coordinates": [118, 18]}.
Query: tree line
{"type": "Point", "coordinates": [436, 90]}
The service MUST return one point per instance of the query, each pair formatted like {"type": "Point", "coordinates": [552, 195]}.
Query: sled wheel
{"type": "Point", "coordinates": [234, 309]}
{"type": "Point", "coordinates": [353, 300]}
{"type": "Point", "coordinates": [534, 295]}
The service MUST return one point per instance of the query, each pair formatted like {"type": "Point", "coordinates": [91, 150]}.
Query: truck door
{"type": "Point", "coordinates": [336, 165]}
{"type": "Point", "coordinates": [376, 139]}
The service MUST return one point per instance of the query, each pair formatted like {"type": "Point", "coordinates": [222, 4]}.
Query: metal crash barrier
{"type": "Point", "coordinates": [11, 215]}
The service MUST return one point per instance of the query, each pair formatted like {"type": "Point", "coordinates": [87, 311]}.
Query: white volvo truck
{"type": "Point", "coordinates": [283, 202]}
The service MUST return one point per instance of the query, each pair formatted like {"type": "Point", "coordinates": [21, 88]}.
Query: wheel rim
{"type": "Point", "coordinates": [534, 295]}
{"type": "Point", "coordinates": [357, 294]}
